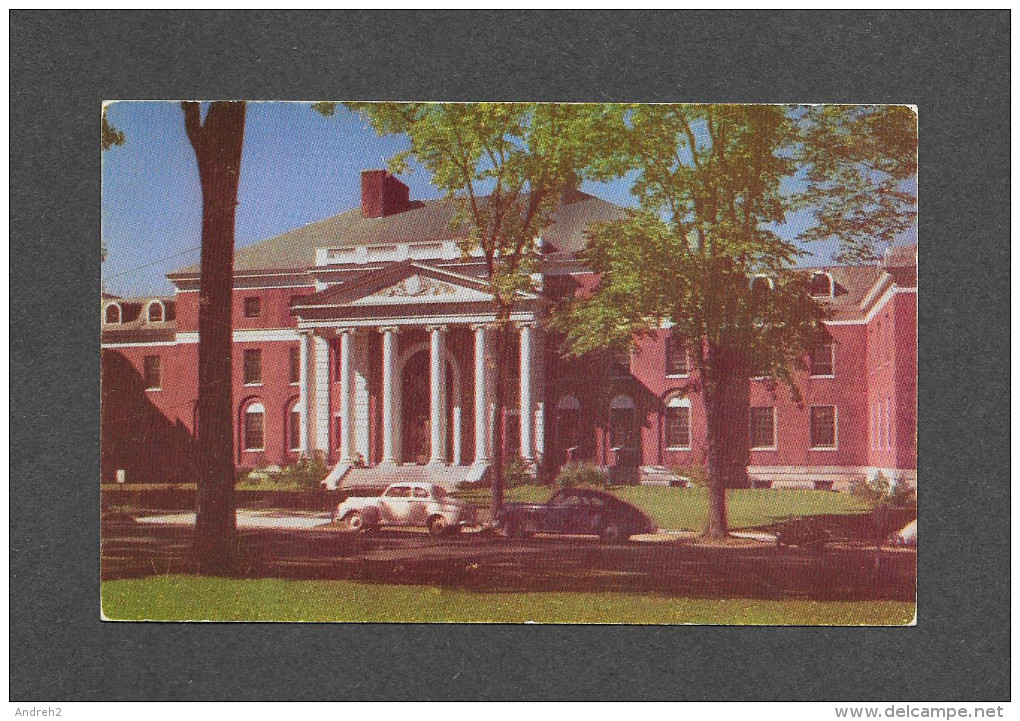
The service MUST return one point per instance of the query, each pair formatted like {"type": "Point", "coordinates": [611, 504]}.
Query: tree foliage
{"type": "Point", "coordinates": [861, 166]}
{"type": "Point", "coordinates": [506, 166]}
{"type": "Point", "coordinates": [702, 253]}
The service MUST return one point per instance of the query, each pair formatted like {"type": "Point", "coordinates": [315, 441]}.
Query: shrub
{"type": "Point", "coordinates": [515, 473]}
{"type": "Point", "coordinates": [696, 473]}
{"type": "Point", "coordinates": [581, 473]}
{"type": "Point", "coordinates": [880, 491]}
{"type": "Point", "coordinates": [306, 473]}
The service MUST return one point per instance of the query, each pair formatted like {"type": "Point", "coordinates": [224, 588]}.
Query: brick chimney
{"type": "Point", "coordinates": [382, 194]}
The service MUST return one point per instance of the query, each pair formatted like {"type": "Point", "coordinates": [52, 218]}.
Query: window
{"type": "Point", "coordinates": [253, 367]}
{"type": "Point", "coordinates": [763, 427]}
{"type": "Point", "coordinates": [295, 365]}
{"type": "Point", "coordinates": [151, 372]}
{"type": "Point", "coordinates": [823, 426]}
{"type": "Point", "coordinates": [821, 285]}
{"type": "Point", "coordinates": [622, 421]}
{"type": "Point", "coordinates": [676, 356]}
{"type": "Point", "coordinates": [760, 284]}
{"type": "Point", "coordinates": [621, 363]}
{"type": "Point", "coordinates": [155, 312]}
{"type": "Point", "coordinates": [252, 306]}
{"type": "Point", "coordinates": [254, 427]}
{"type": "Point", "coordinates": [294, 423]}
{"type": "Point", "coordinates": [678, 423]}
{"type": "Point", "coordinates": [567, 427]}
{"type": "Point", "coordinates": [822, 360]}
{"type": "Point", "coordinates": [420, 492]}
{"type": "Point", "coordinates": [113, 313]}
{"type": "Point", "coordinates": [399, 492]}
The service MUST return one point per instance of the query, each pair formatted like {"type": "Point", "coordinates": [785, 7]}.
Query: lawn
{"type": "Point", "coordinates": [177, 598]}
{"type": "Point", "coordinates": [687, 508]}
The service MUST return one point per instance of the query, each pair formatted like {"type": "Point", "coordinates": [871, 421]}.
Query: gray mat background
{"type": "Point", "coordinates": [954, 66]}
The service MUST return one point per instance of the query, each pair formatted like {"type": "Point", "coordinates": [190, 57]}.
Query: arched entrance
{"type": "Point", "coordinates": [415, 406]}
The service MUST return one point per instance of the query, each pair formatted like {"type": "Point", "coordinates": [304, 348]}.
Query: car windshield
{"type": "Point", "coordinates": [399, 492]}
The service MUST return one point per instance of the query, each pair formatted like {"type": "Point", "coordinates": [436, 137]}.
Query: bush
{"type": "Point", "coordinates": [696, 473]}
{"type": "Point", "coordinates": [306, 474]}
{"type": "Point", "coordinates": [515, 473]}
{"type": "Point", "coordinates": [880, 491]}
{"type": "Point", "coordinates": [582, 473]}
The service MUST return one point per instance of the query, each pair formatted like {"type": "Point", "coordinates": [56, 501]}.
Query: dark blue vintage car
{"type": "Point", "coordinates": [576, 511]}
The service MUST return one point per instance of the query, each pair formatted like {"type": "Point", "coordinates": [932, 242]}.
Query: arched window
{"type": "Point", "coordinates": [760, 285]}
{"type": "Point", "coordinates": [292, 427]}
{"type": "Point", "coordinates": [821, 285]}
{"type": "Point", "coordinates": [678, 423]}
{"type": "Point", "coordinates": [622, 422]}
{"type": "Point", "coordinates": [156, 312]}
{"type": "Point", "coordinates": [113, 314]}
{"type": "Point", "coordinates": [254, 430]}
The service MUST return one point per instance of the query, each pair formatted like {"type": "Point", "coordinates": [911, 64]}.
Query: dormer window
{"type": "Point", "coordinates": [155, 313]}
{"type": "Point", "coordinates": [821, 285]}
{"type": "Point", "coordinates": [113, 315]}
{"type": "Point", "coordinates": [760, 284]}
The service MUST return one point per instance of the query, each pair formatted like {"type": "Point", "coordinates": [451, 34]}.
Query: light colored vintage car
{"type": "Point", "coordinates": [407, 504]}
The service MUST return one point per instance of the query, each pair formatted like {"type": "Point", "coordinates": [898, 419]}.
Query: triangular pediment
{"type": "Point", "coordinates": [419, 288]}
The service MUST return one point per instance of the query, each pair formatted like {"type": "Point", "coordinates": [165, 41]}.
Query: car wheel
{"type": "Point", "coordinates": [438, 526]}
{"type": "Point", "coordinates": [612, 533]}
{"type": "Point", "coordinates": [356, 522]}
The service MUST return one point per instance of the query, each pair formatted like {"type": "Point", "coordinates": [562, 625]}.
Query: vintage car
{"type": "Point", "coordinates": [406, 504]}
{"type": "Point", "coordinates": [576, 511]}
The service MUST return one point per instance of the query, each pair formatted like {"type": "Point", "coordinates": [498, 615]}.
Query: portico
{"type": "Point", "coordinates": [392, 321]}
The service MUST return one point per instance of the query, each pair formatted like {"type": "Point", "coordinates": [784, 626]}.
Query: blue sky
{"type": "Point", "coordinates": [297, 167]}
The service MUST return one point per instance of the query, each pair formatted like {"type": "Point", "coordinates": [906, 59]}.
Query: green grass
{"type": "Point", "coordinates": [178, 598]}
{"type": "Point", "coordinates": [686, 509]}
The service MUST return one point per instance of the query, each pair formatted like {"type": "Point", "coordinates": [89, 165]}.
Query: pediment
{"type": "Point", "coordinates": [418, 288]}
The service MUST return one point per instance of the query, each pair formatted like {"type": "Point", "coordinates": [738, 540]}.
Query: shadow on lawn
{"type": "Point", "coordinates": [681, 567]}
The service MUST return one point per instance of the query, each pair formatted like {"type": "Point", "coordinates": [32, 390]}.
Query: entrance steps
{"type": "Point", "coordinates": [381, 475]}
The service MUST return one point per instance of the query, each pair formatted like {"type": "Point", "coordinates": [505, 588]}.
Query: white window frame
{"type": "Point", "coordinates": [832, 364]}
{"type": "Point", "coordinates": [835, 429]}
{"type": "Point", "coordinates": [159, 361]}
{"type": "Point", "coordinates": [120, 314]}
{"type": "Point", "coordinates": [775, 431]}
{"type": "Point", "coordinates": [253, 407]}
{"type": "Point", "coordinates": [687, 353]}
{"type": "Point", "coordinates": [244, 365]}
{"type": "Point", "coordinates": [148, 311]}
{"type": "Point", "coordinates": [832, 284]}
{"type": "Point", "coordinates": [676, 401]}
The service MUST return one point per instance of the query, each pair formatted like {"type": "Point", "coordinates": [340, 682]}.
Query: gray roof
{"type": "Point", "coordinates": [430, 220]}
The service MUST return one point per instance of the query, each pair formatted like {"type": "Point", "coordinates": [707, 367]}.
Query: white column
{"type": "Point", "coordinates": [321, 394]}
{"type": "Point", "coordinates": [527, 406]}
{"type": "Point", "coordinates": [538, 373]}
{"type": "Point", "coordinates": [361, 365]}
{"type": "Point", "coordinates": [389, 382]}
{"type": "Point", "coordinates": [457, 433]}
{"type": "Point", "coordinates": [481, 395]}
{"type": "Point", "coordinates": [304, 401]}
{"type": "Point", "coordinates": [345, 449]}
{"type": "Point", "coordinates": [437, 378]}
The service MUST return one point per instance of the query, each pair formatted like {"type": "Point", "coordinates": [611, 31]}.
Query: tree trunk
{"type": "Point", "coordinates": [727, 394]}
{"type": "Point", "coordinates": [217, 143]}
{"type": "Point", "coordinates": [498, 457]}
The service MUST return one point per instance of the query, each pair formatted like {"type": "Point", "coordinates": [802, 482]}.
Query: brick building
{"type": "Point", "coordinates": [362, 338]}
